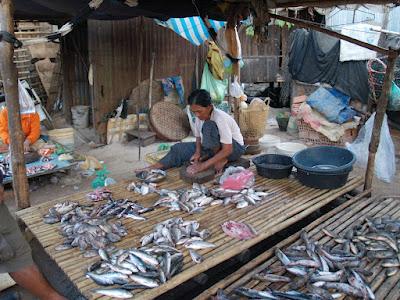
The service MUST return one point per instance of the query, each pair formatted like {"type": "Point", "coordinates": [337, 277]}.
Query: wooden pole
{"type": "Point", "coordinates": [380, 113]}
{"type": "Point", "coordinates": [329, 3]}
{"type": "Point", "coordinates": [8, 72]}
{"type": "Point", "coordinates": [153, 58]}
{"type": "Point", "coordinates": [316, 27]}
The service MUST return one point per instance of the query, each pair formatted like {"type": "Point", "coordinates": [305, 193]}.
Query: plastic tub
{"type": "Point", "coordinates": [273, 166]}
{"type": "Point", "coordinates": [319, 180]}
{"type": "Point", "coordinates": [289, 148]}
{"type": "Point", "coordinates": [325, 159]}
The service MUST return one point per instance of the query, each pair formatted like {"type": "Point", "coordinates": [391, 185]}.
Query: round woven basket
{"type": "Point", "coordinates": [169, 121]}
{"type": "Point", "coordinates": [252, 122]}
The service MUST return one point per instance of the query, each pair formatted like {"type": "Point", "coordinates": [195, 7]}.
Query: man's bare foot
{"type": "Point", "coordinates": [219, 166]}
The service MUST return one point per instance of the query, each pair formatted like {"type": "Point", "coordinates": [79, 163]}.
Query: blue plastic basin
{"type": "Point", "coordinates": [324, 159]}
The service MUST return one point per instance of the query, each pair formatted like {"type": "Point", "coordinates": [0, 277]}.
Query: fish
{"type": "Point", "coordinates": [196, 257]}
{"type": "Point", "coordinates": [344, 288]}
{"type": "Point", "coordinates": [151, 283]}
{"type": "Point", "coordinates": [239, 230]}
{"type": "Point", "coordinates": [196, 245]}
{"type": "Point", "coordinates": [108, 278]}
{"type": "Point", "coordinates": [271, 277]}
{"type": "Point", "coordinates": [254, 294]}
{"type": "Point", "coordinates": [146, 258]}
{"type": "Point", "coordinates": [115, 293]}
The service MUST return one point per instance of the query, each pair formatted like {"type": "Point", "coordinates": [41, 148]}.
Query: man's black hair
{"type": "Point", "coordinates": [200, 97]}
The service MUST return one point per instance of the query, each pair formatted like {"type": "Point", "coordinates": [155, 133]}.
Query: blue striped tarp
{"type": "Point", "coordinates": [192, 28]}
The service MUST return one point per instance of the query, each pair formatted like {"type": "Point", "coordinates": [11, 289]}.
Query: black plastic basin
{"type": "Point", "coordinates": [273, 166]}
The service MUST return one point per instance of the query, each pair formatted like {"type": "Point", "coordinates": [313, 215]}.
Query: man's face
{"type": "Point", "coordinates": [203, 113]}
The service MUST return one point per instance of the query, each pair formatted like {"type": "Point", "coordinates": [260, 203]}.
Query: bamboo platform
{"type": "Point", "coordinates": [291, 203]}
{"type": "Point", "coordinates": [338, 221]}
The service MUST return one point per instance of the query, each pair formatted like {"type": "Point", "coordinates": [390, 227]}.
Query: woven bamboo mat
{"type": "Point", "coordinates": [338, 221]}
{"type": "Point", "coordinates": [291, 203]}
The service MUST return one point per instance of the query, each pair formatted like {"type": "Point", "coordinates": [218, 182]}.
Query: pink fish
{"type": "Point", "coordinates": [237, 230]}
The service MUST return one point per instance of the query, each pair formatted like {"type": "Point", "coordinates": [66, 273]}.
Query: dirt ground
{"type": "Point", "coordinates": [122, 159]}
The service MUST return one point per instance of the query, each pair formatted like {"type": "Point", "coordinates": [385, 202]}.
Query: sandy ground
{"type": "Point", "coordinates": [122, 159]}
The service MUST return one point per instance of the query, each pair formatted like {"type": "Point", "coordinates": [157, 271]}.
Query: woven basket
{"type": "Point", "coordinates": [252, 122]}
{"type": "Point", "coordinates": [309, 135]}
{"type": "Point", "coordinates": [169, 121]}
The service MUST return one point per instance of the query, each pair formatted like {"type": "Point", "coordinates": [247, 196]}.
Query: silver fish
{"type": "Point", "coordinates": [115, 293]}
{"type": "Point", "coordinates": [196, 245]}
{"type": "Point", "coordinates": [196, 257]}
{"type": "Point", "coordinates": [144, 281]}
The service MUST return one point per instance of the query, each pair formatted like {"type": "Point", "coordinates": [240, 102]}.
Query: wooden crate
{"type": "Point", "coordinates": [337, 221]}
{"type": "Point", "coordinates": [291, 203]}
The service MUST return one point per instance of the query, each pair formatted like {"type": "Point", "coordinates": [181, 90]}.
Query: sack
{"type": "Point", "coordinates": [216, 88]}
{"type": "Point", "coordinates": [385, 160]}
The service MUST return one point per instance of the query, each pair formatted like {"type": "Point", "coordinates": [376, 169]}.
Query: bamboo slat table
{"type": "Point", "coordinates": [337, 221]}
{"type": "Point", "coordinates": [290, 203]}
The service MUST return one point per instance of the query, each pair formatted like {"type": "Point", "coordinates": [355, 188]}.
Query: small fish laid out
{"type": "Point", "coordinates": [176, 231]}
{"type": "Point", "coordinates": [241, 198]}
{"type": "Point", "coordinates": [83, 230]}
{"type": "Point", "coordinates": [121, 208]}
{"type": "Point", "coordinates": [125, 270]}
{"type": "Point", "coordinates": [99, 194]}
{"type": "Point", "coordinates": [150, 176]}
{"type": "Point", "coordinates": [32, 170]}
{"type": "Point", "coordinates": [189, 200]}
{"type": "Point", "coordinates": [142, 188]}
{"type": "Point", "coordinates": [313, 272]}
{"type": "Point", "coordinates": [238, 230]}
{"type": "Point", "coordinates": [197, 198]}
{"type": "Point", "coordinates": [376, 238]}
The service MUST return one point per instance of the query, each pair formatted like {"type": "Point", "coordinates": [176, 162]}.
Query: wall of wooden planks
{"type": "Point", "coordinates": [112, 50]}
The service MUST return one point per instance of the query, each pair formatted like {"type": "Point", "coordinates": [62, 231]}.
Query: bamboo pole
{"type": "Point", "coordinates": [380, 113]}
{"type": "Point", "coordinates": [316, 27]}
{"type": "Point", "coordinates": [8, 72]}
{"type": "Point", "coordinates": [329, 3]}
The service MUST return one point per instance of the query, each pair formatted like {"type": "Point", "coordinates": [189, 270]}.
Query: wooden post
{"type": "Point", "coordinates": [380, 113]}
{"type": "Point", "coordinates": [8, 72]}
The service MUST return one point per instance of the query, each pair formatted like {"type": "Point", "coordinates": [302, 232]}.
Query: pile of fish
{"type": "Point", "coordinates": [154, 175]}
{"type": "Point", "coordinates": [121, 208]}
{"type": "Point", "coordinates": [194, 200]}
{"type": "Point", "coordinates": [32, 170]}
{"type": "Point", "coordinates": [176, 231]}
{"type": "Point", "coordinates": [132, 269]}
{"type": "Point", "coordinates": [329, 273]}
{"type": "Point", "coordinates": [99, 194]}
{"type": "Point", "coordinates": [80, 228]}
{"type": "Point", "coordinates": [242, 198]}
{"type": "Point", "coordinates": [142, 188]}
{"type": "Point", "coordinates": [377, 238]}
{"type": "Point", "coordinates": [322, 273]}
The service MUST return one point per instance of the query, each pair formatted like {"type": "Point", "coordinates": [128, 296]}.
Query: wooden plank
{"type": "Point", "coordinates": [338, 221]}
{"type": "Point", "coordinates": [291, 202]}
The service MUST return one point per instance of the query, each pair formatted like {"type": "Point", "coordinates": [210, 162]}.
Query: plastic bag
{"type": "Point", "coordinates": [237, 178]}
{"type": "Point", "coordinates": [26, 104]}
{"type": "Point", "coordinates": [385, 161]}
{"type": "Point", "coordinates": [236, 90]}
{"type": "Point", "coordinates": [394, 98]}
{"type": "Point", "coordinates": [216, 88]}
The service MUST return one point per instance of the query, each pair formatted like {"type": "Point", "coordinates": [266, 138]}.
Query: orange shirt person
{"type": "Point", "coordinates": [30, 126]}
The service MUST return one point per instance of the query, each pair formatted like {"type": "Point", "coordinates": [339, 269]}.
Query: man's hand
{"type": "Point", "coordinates": [27, 145]}
{"type": "Point", "coordinates": [195, 158]}
{"type": "Point", "coordinates": [195, 168]}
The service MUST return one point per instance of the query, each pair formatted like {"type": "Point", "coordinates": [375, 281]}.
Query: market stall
{"type": "Point", "coordinates": [287, 203]}
{"type": "Point", "coordinates": [356, 211]}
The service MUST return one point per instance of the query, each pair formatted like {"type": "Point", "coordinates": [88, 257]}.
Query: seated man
{"type": "Point", "coordinates": [218, 139]}
{"type": "Point", "coordinates": [16, 258]}
{"type": "Point", "coordinates": [30, 122]}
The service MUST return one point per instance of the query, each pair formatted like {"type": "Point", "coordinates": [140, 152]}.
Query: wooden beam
{"type": "Point", "coordinates": [8, 72]}
{"type": "Point", "coordinates": [380, 113]}
{"type": "Point", "coordinates": [306, 24]}
{"type": "Point", "coordinates": [329, 3]}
